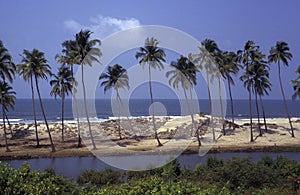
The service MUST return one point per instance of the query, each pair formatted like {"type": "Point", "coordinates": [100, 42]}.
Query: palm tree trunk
{"type": "Point", "coordinates": [263, 111]}
{"type": "Point", "coordinates": [231, 103]}
{"type": "Point", "coordinates": [257, 111]}
{"type": "Point", "coordinates": [222, 111]}
{"type": "Point", "coordinates": [190, 111]}
{"type": "Point", "coordinates": [250, 108]}
{"type": "Point", "coordinates": [192, 116]}
{"type": "Point", "coordinates": [85, 108]}
{"type": "Point", "coordinates": [210, 107]}
{"type": "Point", "coordinates": [119, 120]}
{"type": "Point", "coordinates": [9, 126]}
{"type": "Point", "coordinates": [34, 113]}
{"type": "Point", "coordinates": [62, 115]}
{"type": "Point", "coordinates": [43, 112]}
{"type": "Point", "coordinates": [284, 100]}
{"type": "Point", "coordinates": [76, 108]}
{"type": "Point", "coordinates": [4, 127]}
{"type": "Point", "coordinates": [151, 101]}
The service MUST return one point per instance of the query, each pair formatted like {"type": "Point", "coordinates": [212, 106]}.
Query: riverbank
{"type": "Point", "coordinates": [174, 133]}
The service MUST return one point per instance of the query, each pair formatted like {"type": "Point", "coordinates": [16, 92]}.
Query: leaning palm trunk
{"type": "Point", "coordinates": [77, 120]}
{"type": "Point", "coordinates": [34, 113]}
{"type": "Point", "coordinates": [43, 112]}
{"type": "Point", "coordinates": [152, 110]}
{"type": "Point", "coordinates": [192, 117]}
{"type": "Point", "coordinates": [231, 103]}
{"type": "Point", "coordinates": [85, 109]}
{"type": "Point", "coordinates": [119, 120]}
{"type": "Point", "coordinates": [250, 108]}
{"type": "Point", "coordinates": [221, 105]}
{"type": "Point", "coordinates": [62, 116]}
{"type": "Point", "coordinates": [210, 108]}
{"type": "Point", "coordinates": [9, 126]}
{"type": "Point", "coordinates": [76, 108]}
{"type": "Point", "coordinates": [257, 111]}
{"type": "Point", "coordinates": [284, 100]}
{"type": "Point", "coordinates": [263, 111]}
{"type": "Point", "coordinates": [4, 127]}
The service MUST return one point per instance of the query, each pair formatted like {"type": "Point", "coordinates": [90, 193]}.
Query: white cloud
{"type": "Point", "coordinates": [103, 26]}
{"type": "Point", "coordinates": [72, 25]}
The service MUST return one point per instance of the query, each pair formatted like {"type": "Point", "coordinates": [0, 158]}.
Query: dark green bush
{"type": "Point", "coordinates": [100, 178]}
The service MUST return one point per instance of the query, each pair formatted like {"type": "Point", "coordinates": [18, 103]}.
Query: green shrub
{"type": "Point", "coordinates": [100, 178]}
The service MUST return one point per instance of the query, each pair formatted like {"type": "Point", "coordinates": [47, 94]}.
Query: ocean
{"type": "Point", "coordinates": [22, 112]}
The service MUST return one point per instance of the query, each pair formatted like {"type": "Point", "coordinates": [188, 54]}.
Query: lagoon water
{"type": "Point", "coordinates": [71, 167]}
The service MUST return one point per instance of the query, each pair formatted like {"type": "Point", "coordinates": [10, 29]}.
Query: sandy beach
{"type": "Point", "coordinates": [175, 133]}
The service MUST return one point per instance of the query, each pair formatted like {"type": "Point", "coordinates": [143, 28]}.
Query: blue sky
{"type": "Point", "coordinates": [46, 24]}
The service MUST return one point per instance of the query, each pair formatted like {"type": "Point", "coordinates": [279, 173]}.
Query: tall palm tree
{"type": "Point", "coordinates": [116, 77]}
{"type": "Point", "coordinates": [296, 84]}
{"type": "Point", "coordinates": [184, 73]}
{"type": "Point", "coordinates": [247, 58]}
{"type": "Point", "coordinates": [280, 53]}
{"type": "Point", "coordinates": [70, 58]}
{"type": "Point", "coordinates": [34, 66]}
{"type": "Point", "coordinates": [230, 66]}
{"type": "Point", "coordinates": [204, 59]}
{"type": "Point", "coordinates": [22, 69]}
{"type": "Point", "coordinates": [261, 85]}
{"type": "Point", "coordinates": [7, 68]}
{"type": "Point", "coordinates": [209, 51]}
{"type": "Point", "coordinates": [62, 85]}
{"type": "Point", "coordinates": [219, 59]}
{"type": "Point", "coordinates": [7, 97]}
{"type": "Point", "coordinates": [154, 57]}
{"type": "Point", "coordinates": [257, 74]}
{"type": "Point", "coordinates": [87, 53]}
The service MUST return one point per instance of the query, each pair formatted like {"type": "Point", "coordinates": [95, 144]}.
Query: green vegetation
{"type": "Point", "coordinates": [217, 176]}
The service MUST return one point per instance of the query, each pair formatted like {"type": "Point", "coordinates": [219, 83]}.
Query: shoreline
{"type": "Point", "coordinates": [84, 152]}
{"type": "Point", "coordinates": [276, 139]}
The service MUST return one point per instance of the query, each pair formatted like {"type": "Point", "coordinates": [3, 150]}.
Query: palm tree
{"type": "Point", "coordinates": [70, 58]}
{"type": "Point", "coordinates": [116, 77]}
{"type": "Point", "coordinates": [62, 85]}
{"type": "Point", "coordinates": [219, 59]}
{"type": "Point", "coordinates": [7, 97]}
{"type": "Point", "coordinates": [280, 53]}
{"type": "Point", "coordinates": [262, 84]}
{"type": "Point", "coordinates": [208, 50]}
{"type": "Point", "coordinates": [247, 58]}
{"type": "Point", "coordinates": [185, 75]}
{"type": "Point", "coordinates": [9, 104]}
{"type": "Point", "coordinates": [296, 84]}
{"type": "Point", "coordinates": [256, 77]}
{"type": "Point", "coordinates": [34, 64]}
{"type": "Point", "coordinates": [230, 66]}
{"type": "Point", "coordinates": [87, 53]}
{"type": "Point", "coordinates": [154, 57]}
{"type": "Point", "coordinates": [7, 68]}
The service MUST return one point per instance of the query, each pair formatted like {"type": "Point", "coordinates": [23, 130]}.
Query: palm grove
{"type": "Point", "coordinates": [82, 51]}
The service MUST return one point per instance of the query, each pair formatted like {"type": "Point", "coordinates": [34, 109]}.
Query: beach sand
{"type": "Point", "coordinates": [176, 134]}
